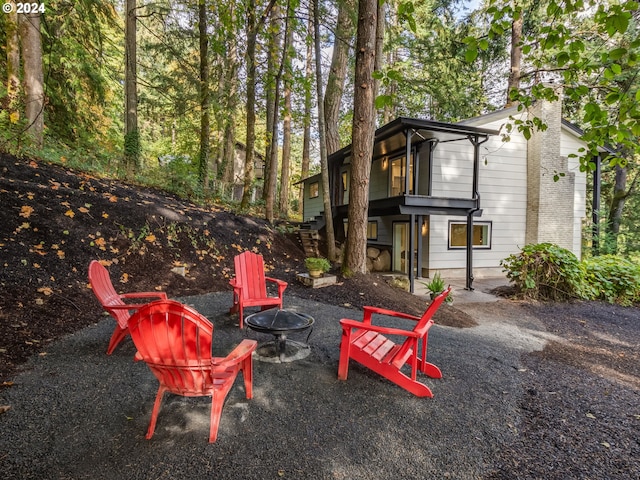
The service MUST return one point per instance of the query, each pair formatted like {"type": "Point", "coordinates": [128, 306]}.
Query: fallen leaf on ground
{"type": "Point", "coordinates": [26, 211]}
{"type": "Point", "coordinates": [4, 408]}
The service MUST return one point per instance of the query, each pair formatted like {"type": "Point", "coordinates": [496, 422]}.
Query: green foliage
{"type": "Point", "coordinates": [592, 50]}
{"type": "Point", "coordinates": [317, 263]}
{"type": "Point", "coordinates": [546, 271]}
{"type": "Point", "coordinates": [613, 279]}
{"type": "Point", "coordinates": [436, 285]}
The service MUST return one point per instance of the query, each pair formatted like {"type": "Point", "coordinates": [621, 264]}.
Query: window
{"type": "Point", "coordinates": [314, 190]}
{"type": "Point", "coordinates": [372, 229]}
{"type": "Point", "coordinates": [458, 234]}
{"type": "Point", "coordinates": [345, 185]}
{"type": "Point", "coordinates": [397, 176]}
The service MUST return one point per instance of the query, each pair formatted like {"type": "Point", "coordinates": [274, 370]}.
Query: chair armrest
{"type": "Point", "coordinates": [158, 295]}
{"type": "Point", "coordinates": [348, 324]}
{"type": "Point", "coordinates": [126, 306]}
{"type": "Point", "coordinates": [368, 311]}
{"type": "Point", "coordinates": [282, 285]}
{"type": "Point", "coordinates": [238, 354]}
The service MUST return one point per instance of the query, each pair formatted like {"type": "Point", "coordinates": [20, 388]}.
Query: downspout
{"type": "Point", "coordinates": [412, 218]}
{"type": "Point", "coordinates": [595, 207]}
{"type": "Point", "coordinates": [475, 196]}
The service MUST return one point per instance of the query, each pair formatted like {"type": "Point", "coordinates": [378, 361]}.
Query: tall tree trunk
{"type": "Point", "coordinates": [252, 32]}
{"type": "Point", "coordinates": [516, 53]}
{"type": "Point", "coordinates": [285, 173]}
{"type": "Point", "coordinates": [229, 84]}
{"type": "Point", "coordinates": [362, 133]}
{"type": "Point", "coordinates": [306, 137]}
{"type": "Point", "coordinates": [344, 34]}
{"type": "Point", "coordinates": [273, 101]}
{"type": "Point", "coordinates": [616, 207]}
{"type": "Point", "coordinates": [379, 61]}
{"type": "Point", "coordinates": [33, 76]}
{"type": "Point", "coordinates": [131, 133]}
{"type": "Point", "coordinates": [326, 198]}
{"type": "Point", "coordinates": [13, 67]}
{"type": "Point", "coordinates": [203, 160]}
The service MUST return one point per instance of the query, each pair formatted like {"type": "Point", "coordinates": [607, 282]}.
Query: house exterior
{"type": "Point", "coordinates": [465, 187]}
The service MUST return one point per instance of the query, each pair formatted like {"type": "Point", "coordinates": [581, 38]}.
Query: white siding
{"type": "Point", "coordinates": [569, 143]}
{"type": "Point", "coordinates": [503, 197]}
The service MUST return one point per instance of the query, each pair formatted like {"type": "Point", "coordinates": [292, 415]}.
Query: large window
{"type": "Point", "coordinates": [458, 234]}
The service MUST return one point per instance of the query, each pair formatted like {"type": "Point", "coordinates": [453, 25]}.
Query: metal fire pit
{"type": "Point", "coordinates": [280, 323]}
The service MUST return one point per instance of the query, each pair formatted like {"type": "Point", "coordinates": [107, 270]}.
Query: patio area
{"type": "Point", "coordinates": [78, 413]}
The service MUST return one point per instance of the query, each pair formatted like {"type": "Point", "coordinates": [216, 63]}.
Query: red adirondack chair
{"type": "Point", "coordinates": [114, 303]}
{"type": "Point", "coordinates": [366, 344]}
{"type": "Point", "coordinates": [250, 285]}
{"type": "Point", "coordinates": [175, 342]}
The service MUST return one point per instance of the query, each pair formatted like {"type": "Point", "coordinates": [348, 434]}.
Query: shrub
{"type": "Point", "coordinates": [546, 271]}
{"type": "Point", "coordinates": [317, 263]}
{"type": "Point", "coordinates": [612, 278]}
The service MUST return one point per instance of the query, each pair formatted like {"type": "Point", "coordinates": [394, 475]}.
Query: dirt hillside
{"type": "Point", "coordinates": [54, 221]}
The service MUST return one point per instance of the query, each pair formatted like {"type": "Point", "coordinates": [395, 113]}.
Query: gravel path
{"type": "Point", "coordinates": [77, 413]}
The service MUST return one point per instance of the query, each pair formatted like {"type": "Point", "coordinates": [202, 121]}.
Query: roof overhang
{"type": "Point", "coordinates": [392, 137]}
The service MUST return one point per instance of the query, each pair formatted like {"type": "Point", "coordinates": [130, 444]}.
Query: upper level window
{"type": "Point", "coordinates": [458, 234]}
{"type": "Point", "coordinates": [314, 190]}
{"type": "Point", "coordinates": [397, 176]}
{"type": "Point", "coordinates": [345, 180]}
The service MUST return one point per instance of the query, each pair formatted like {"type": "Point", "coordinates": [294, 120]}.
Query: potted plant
{"type": "Point", "coordinates": [436, 286]}
{"type": "Point", "coordinates": [317, 266]}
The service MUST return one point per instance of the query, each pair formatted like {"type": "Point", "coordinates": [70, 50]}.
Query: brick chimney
{"type": "Point", "coordinates": [550, 209]}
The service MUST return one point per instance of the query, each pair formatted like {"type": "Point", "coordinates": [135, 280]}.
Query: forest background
{"type": "Point", "coordinates": [162, 93]}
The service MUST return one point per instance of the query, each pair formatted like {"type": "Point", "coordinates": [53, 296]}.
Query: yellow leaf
{"type": "Point", "coordinates": [45, 290]}
{"type": "Point", "coordinates": [105, 215]}
{"type": "Point", "coordinates": [84, 210]}
{"type": "Point", "coordinates": [26, 211]}
{"type": "Point", "coordinates": [60, 254]}
{"type": "Point", "coordinates": [124, 278]}
{"type": "Point", "coordinates": [150, 238]}
{"type": "Point", "coordinates": [14, 117]}
{"type": "Point", "coordinates": [36, 265]}
{"type": "Point", "coordinates": [113, 199]}
{"type": "Point", "coordinates": [100, 242]}
{"type": "Point", "coordinates": [70, 213]}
